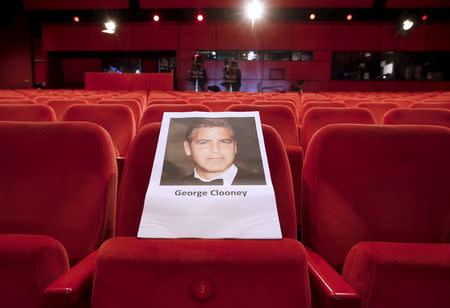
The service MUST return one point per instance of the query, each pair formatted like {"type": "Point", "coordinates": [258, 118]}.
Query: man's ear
{"type": "Point", "coordinates": [235, 148]}
{"type": "Point", "coordinates": [187, 148]}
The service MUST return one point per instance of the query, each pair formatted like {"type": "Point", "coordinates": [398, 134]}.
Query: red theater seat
{"type": "Point", "coordinates": [27, 113]}
{"type": "Point", "coordinates": [219, 105]}
{"type": "Point", "coordinates": [167, 101]}
{"type": "Point", "coordinates": [378, 110]}
{"type": "Point", "coordinates": [135, 107]}
{"type": "Point", "coordinates": [283, 120]}
{"type": "Point", "coordinates": [323, 104]}
{"type": "Point", "coordinates": [392, 275]}
{"type": "Point", "coordinates": [116, 119]}
{"type": "Point", "coordinates": [154, 113]}
{"type": "Point", "coordinates": [440, 105]}
{"type": "Point", "coordinates": [193, 272]}
{"type": "Point", "coordinates": [372, 183]}
{"type": "Point", "coordinates": [57, 204]}
{"type": "Point", "coordinates": [15, 101]}
{"type": "Point", "coordinates": [418, 116]}
{"type": "Point", "coordinates": [60, 105]}
{"type": "Point", "coordinates": [316, 118]}
{"type": "Point", "coordinates": [291, 105]}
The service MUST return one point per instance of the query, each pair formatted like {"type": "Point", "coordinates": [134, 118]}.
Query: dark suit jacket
{"type": "Point", "coordinates": [243, 177]}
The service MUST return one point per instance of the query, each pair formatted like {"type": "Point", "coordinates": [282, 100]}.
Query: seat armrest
{"type": "Point", "coordinates": [328, 288]}
{"type": "Point", "coordinates": [74, 285]}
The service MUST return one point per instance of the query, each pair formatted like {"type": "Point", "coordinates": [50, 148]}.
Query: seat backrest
{"type": "Point", "coordinates": [416, 116]}
{"type": "Point", "coordinates": [375, 183]}
{"type": "Point", "coordinates": [58, 179]}
{"type": "Point", "coordinates": [116, 119]}
{"type": "Point", "coordinates": [44, 99]}
{"type": "Point", "coordinates": [16, 101]}
{"type": "Point", "coordinates": [154, 113]}
{"type": "Point", "coordinates": [392, 275]}
{"type": "Point", "coordinates": [134, 105]}
{"type": "Point", "coordinates": [286, 103]}
{"type": "Point", "coordinates": [440, 105]}
{"type": "Point", "coordinates": [219, 105]}
{"type": "Point", "coordinates": [279, 117]}
{"type": "Point", "coordinates": [378, 110]}
{"type": "Point", "coordinates": [139, 165]}
{"type": "Point", "coordinates": [60, 105]}
{"type": "Point", "coordinates": [167, 101]}
{"type": "Point", "coordinates": [324, 104]}
{"type": "Point", "coordinates": [27, 113]}
{"type": "Point", "coordinates": [316, 118]}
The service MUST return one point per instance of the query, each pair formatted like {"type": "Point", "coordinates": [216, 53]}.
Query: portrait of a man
{"type": "Point", "coordinates": [211, 146]}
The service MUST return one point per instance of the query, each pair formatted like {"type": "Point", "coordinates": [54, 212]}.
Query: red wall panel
{"type": "Point", "coordinates": [437, 37]}
{"type": "Point", "coordinates": [238, 36]}
{"type": "Point", "coordinates": [417, 3]}
{"type": "Point", "coordinates": [151, 4]}
{"type": "Point", "coordinates": [74, 5]}
{"type": "Point", "coordinates": [197, 37]}
{"type": "Point", "coordinates": [312, 37]}
{"type": "Point", "coordinates": [276, 36]}
{"type": "Point", "coordinates": [355, 37]}
{"type": "Point", "coordinates": [283, 65]}
{"type": "Point", "coordinates": [75, 68]}
{"type": "Point", "coordinates": [147, 81]}
{"type": "Point", "coordinates": [311, 70]}
{"type": "Point", "coordinates": [15, 55]}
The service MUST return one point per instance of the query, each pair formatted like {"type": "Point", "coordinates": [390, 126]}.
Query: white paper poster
{"type": "Point", "coordinates": [210, 179]}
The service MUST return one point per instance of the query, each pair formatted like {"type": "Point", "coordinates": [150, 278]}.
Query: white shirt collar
{"type": "Point", "coordinates": [227, 176]}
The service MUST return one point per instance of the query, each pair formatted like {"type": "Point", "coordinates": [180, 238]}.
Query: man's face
{"type": "Point", "coordinates": [212, 149]}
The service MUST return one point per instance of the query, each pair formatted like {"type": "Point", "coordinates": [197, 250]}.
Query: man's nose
{"type": "Point", "coordinates": [215, 148]}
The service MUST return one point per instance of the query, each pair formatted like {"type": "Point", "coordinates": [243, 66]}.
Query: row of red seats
{"type": "Point", "coordinates": [375, 220]}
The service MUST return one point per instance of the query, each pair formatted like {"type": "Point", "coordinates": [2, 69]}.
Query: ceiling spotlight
{"type": "Point", "coordinates": [254, 10]}
{"type": "Point", "coordinates": [312, 16]}
{"type": "Point", "coordinates": [407, 24]}
{"type": "Point", "coordinates": [156, 18]}
{"type": "Point", "coordinates": [424, 17]}
{"type": "Point", "coordinates": [349, 17]}
{"type": "Point", "coordinates": [200, 17]}
{"type": "Point", "coordinates": [76, 19]}
{"type": "Point", "coordinates": [110, 27]}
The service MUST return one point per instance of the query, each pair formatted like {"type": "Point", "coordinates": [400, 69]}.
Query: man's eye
{"type": "Point", "coordinates": [226, 141]}
{"type": "Point", "coordinates": [202, 142]}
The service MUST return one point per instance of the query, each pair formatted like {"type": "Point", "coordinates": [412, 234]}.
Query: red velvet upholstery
{"type": "Point", "coordinates": [27, 113]}
{"type": "Point", "coordinates": [325, 104]}
{"type": "Point", "coordinates": [167, 101]}
{"type": "Point", "coordinates": [445, 105]}
{"type": "Point", "coordinates": [279, 117]}
{"type": "Point", "coordinates": [116, 119]}
{"type": "Point", "coordinates": [60, 105]}
{"type": "Point", "coordinates": [291, 105]}
{"type": "Point", "coordinates": [418, 116]}
{"type": "Point", "coordinates": [283, 120]}
{"type": "Point", "coordinates": [392, 275]}
{"type": "Point", "coordinates": [58, 179]}
{"type": "Point", "coordinates": [199, 99]}
{"type": "Point", "coordinates": [134, 105]}
{"type": "Point", "coordinates": [219, 105]}
{"type": "Point", "coordinates": [195, 273]}
{"type": "Point", "coordinates": [140, 162]}
{"type": "Point", "coordinates": [375, 183]}
{"type": "Point", "coordinates": [316, 118]}
{"type": "Point", "coordinates": [28, 263]}
{"type": "Point", "coordinates": [378, 110]}
{"type": "Point", "coordinates": [15, 101]}
{"type": "Point", "coordinates": [154, 113]}
{"type": "Point", "coordinates": [44, 99]}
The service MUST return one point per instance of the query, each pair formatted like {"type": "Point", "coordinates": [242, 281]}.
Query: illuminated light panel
{"type": "Point", "coordinates": [255, 10]}
{"type": "Point", "coordinates": [156, 18]}
{"type": "Point", "coordinates": [424, 17]}
{"type": "Point", "coordinates": [349, 17]}
{"type": "Point", "coordinates": [407, 24]}
{"type": "Point", "coordinates": [312, 16]}
{"type": "Point", "coordinates": [110, 27]}
{"type": "Point", "coordinates": [200, 17]}
{"type": "Point", "coordinates": [76, 19]}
